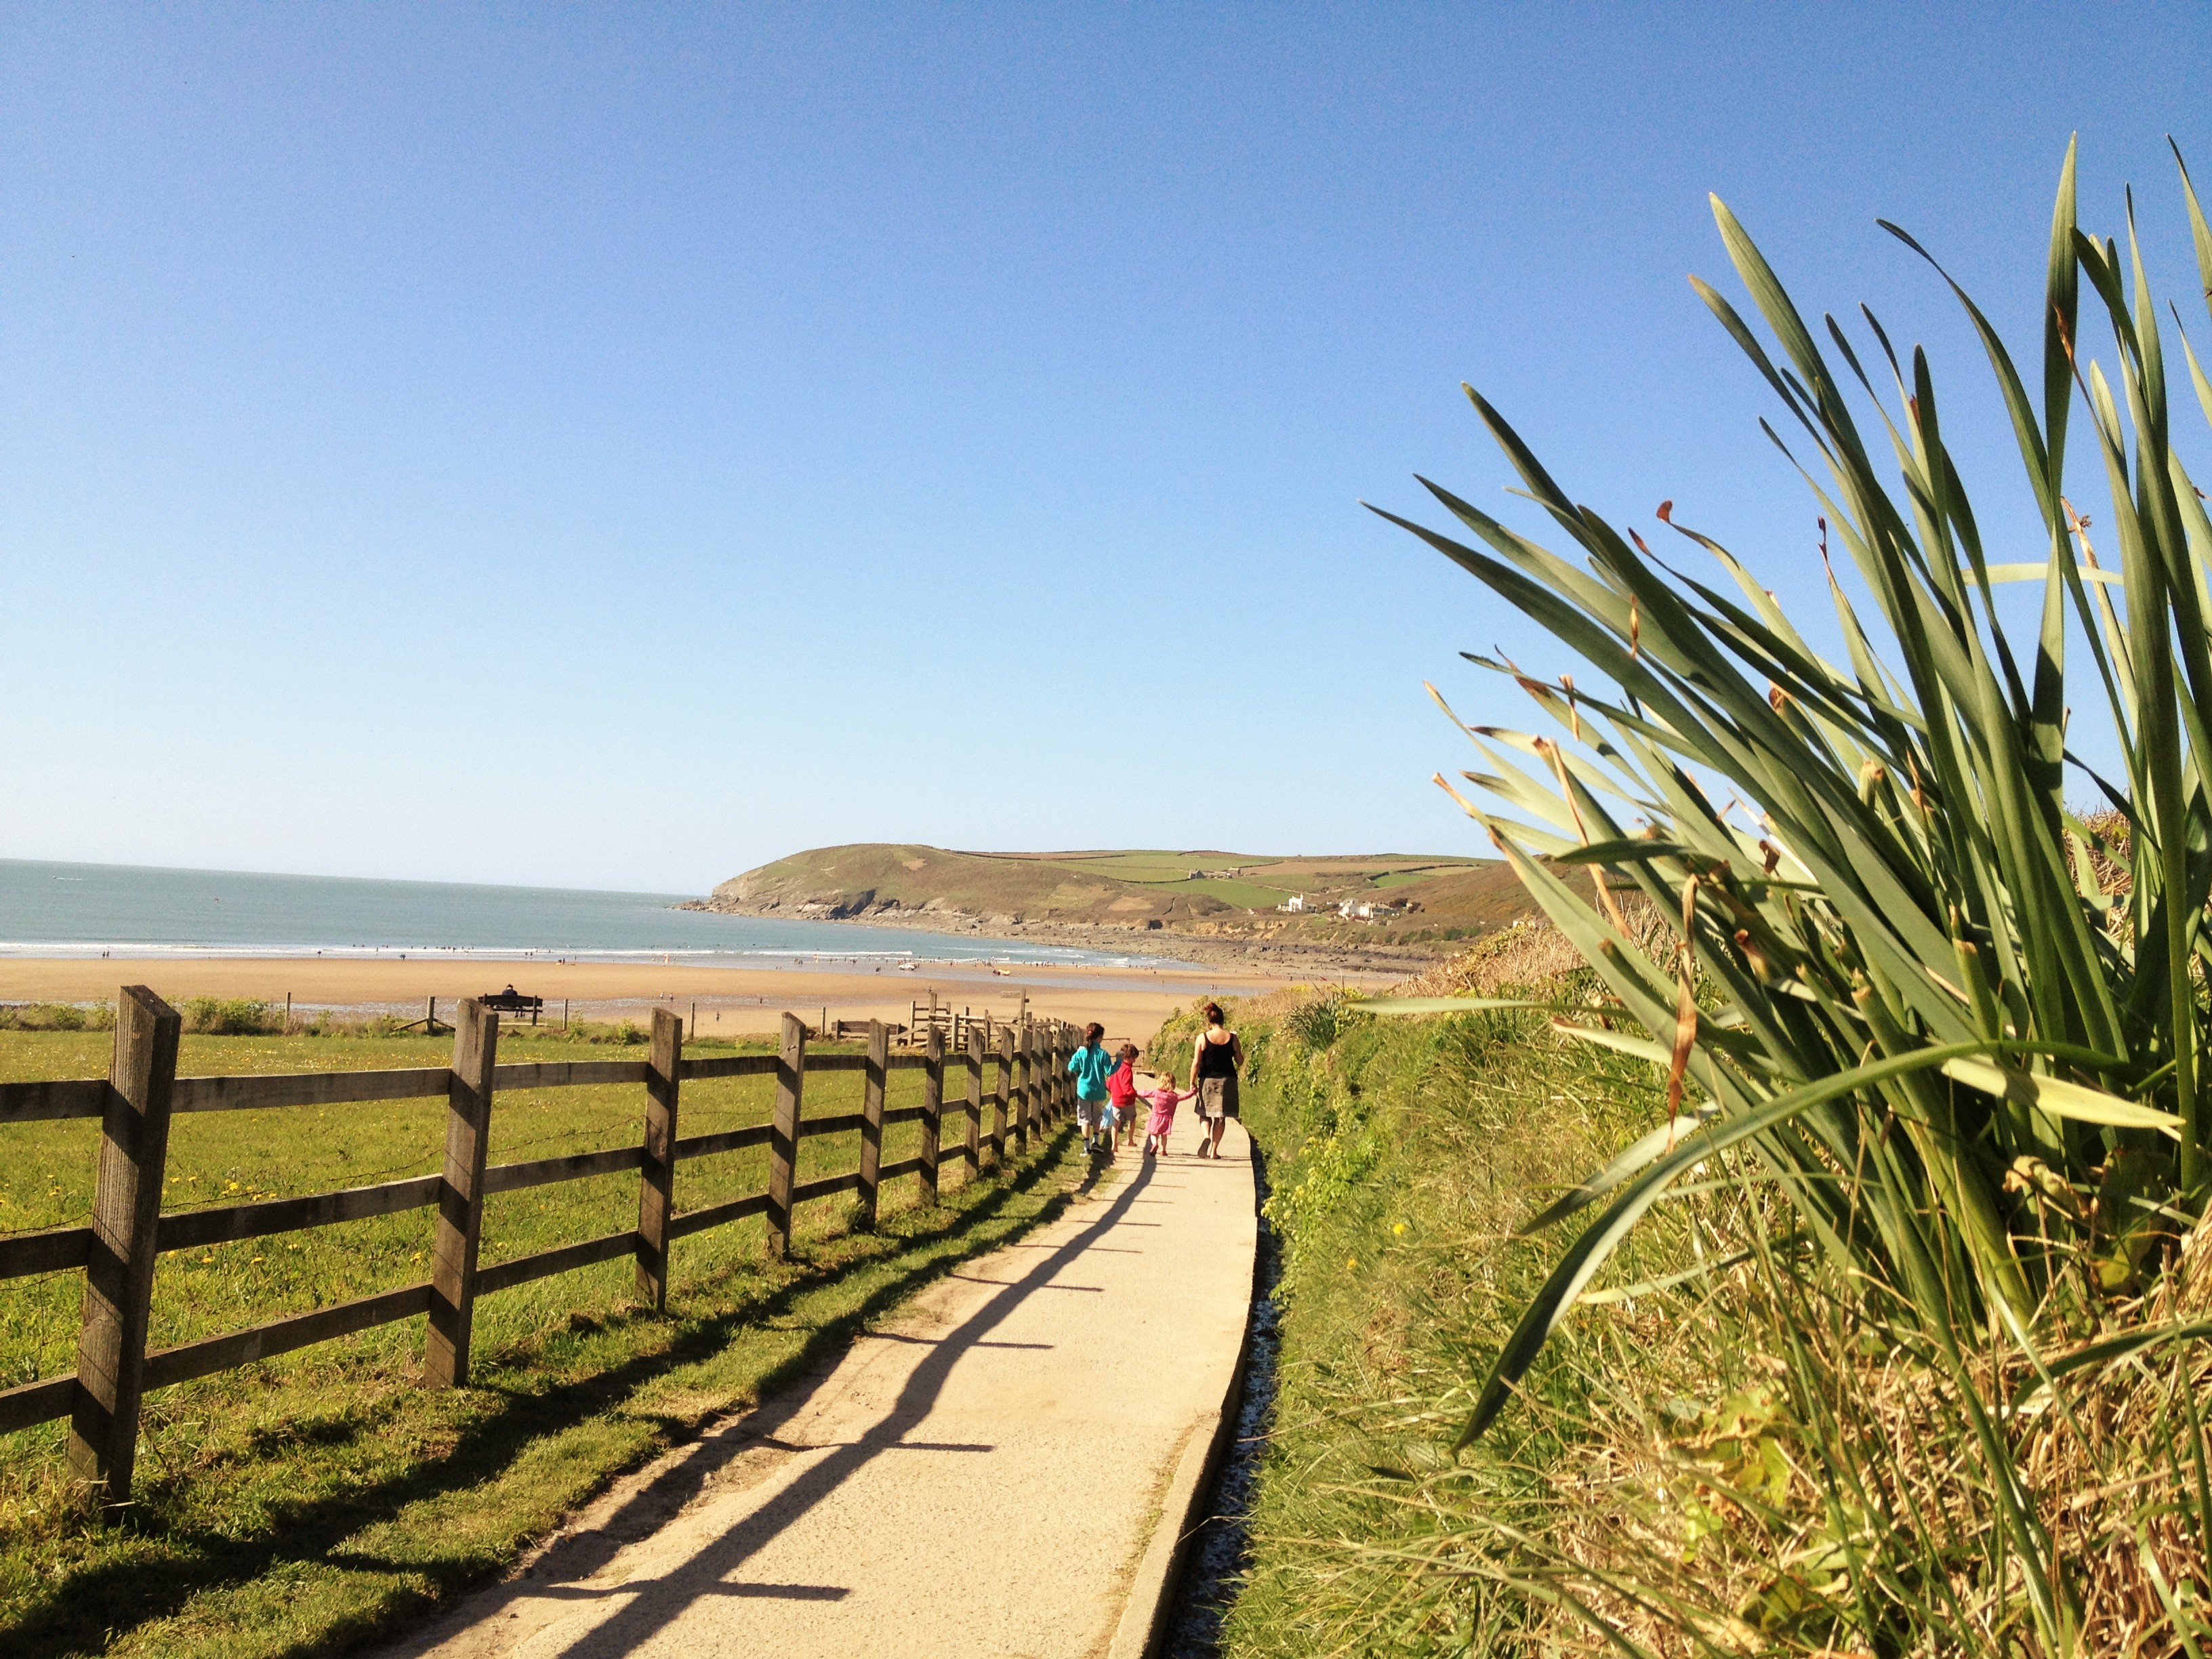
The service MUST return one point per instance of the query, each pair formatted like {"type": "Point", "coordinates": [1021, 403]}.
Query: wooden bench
{"type": "Point", "coordinates": [512, 1001]}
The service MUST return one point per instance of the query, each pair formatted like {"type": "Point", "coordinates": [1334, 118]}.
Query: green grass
{"type": "Point", "coordinates": [1401, 1154]}
{"type": "Point", "coordinates": [1158, 869]}
{"type": "Point", "coordinates": [1244, 895]}
{"type": "Point", "coordinates": [1717, 1452]}
{"type": "Point", "coordinates": [294, 1504]}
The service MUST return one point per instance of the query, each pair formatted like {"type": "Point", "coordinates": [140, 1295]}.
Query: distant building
{"type": "Point", "coordinates": [1296, 905]}
{"type": "Point", "coordinates": [1367, 910]}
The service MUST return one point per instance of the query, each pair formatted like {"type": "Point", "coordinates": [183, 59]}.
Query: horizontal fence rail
{"type": "Point", "coordinates": [241, 1094]}
{"type": "Point", "coordinates": [44, 1102]}
{"type": "Point", "coordinates": [134, 1103]}
{"type": "Point", "coordinates": [45, 1253]}
{"type": "Point", "coordinates": [185, 1229]}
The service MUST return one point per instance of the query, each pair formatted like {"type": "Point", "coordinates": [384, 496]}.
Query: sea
{"type": "Point", "coordinates": [130, 910]}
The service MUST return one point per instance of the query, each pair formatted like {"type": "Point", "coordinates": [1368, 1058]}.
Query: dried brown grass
{"type": "Point", "coordinates": [1528, 955]}
{"type": "Point", "coordinates": [1761, 1471]}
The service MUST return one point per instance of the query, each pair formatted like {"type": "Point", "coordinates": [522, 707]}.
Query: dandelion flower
{"type": "Point", "coordinates": [1398, 1231]}
{"type": "Point", "coordinates": [1352, 1261]}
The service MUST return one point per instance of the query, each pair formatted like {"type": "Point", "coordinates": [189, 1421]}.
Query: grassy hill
{"type": "Point", "coordinates": [1413, 897]}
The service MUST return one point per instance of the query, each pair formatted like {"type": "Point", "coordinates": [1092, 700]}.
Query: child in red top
{"type": "Point", "coordinates": [1121, 1089]}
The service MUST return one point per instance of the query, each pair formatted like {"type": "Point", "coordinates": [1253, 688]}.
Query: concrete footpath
{"type": "Point", "coordinates": [982, 1475]}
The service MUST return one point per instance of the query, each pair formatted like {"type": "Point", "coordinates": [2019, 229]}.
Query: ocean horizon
{"type": "Point", "coordinates": [64, 910]}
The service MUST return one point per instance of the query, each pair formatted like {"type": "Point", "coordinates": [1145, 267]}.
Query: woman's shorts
{"type": "Point", "coordinates": [1217, 1096]}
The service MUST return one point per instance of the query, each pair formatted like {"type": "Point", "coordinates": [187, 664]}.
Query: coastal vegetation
{"type": "Point", "coordinates": [1882, 1324]}
{"type": "Point", "coordinates": [1717, 1443]}
{"type": "Point", "coordinates": [1402, 1155]}
{"type": "Point", "coordinates": [303, 1502]}
{"type": "Point", "coordinates": [1393, 898]}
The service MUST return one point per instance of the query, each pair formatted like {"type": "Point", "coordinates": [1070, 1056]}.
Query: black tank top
{"type": "Point", "coordinates": [1216, 1059]}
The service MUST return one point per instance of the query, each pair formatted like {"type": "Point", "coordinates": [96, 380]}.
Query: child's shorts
{"type": "Point", "coordinates": [1090, 1114]}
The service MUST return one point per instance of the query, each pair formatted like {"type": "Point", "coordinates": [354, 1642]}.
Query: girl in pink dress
{"type": "Point", "coordinates": [1164, 1100]}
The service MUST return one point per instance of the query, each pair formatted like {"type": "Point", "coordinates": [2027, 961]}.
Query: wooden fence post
{"type": "Point", "coordinates": [1055, 1074]}
{"type": "Point", "coordinates": [118, 1274]}
{"type": "Point", "coordinates": [1056, 1087]}
{"type": "Point", "coordinates": [875, 1077]}
{"type": "Point", "coordinates": [783, 1137]}
{"type": "Point", "coordinates": [461, 1196]}
{"type": "Point", "coordinates": [1049, 1097]}
{"type": "Point", "coordinates": [932, 1112]}
{"type": "Point", "coordinates": [1026, 1082]}
{"type": "Point", "coordinates": [999, 1099]}
{"type": "Point", "coordinates": [1041, 1071]}
{"type": "Point", "coordinates": [1040, 1094]}
{"type": "Point", "coordinates": [656, 1191]}
{"type": "Point", "coordinates": [975, 1152]}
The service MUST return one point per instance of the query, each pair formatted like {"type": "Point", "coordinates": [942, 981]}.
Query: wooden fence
{"type": "Point", "coordinates": [958, 1023]}
{"type": "Point", "coordinates": [130, 1231]}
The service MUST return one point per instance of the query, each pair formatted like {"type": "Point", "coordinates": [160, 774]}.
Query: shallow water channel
{"type": "Point", "coordinates": [1222, 1553]}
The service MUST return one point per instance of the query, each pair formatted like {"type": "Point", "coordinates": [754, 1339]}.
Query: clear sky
{"type": "Point", "coordinates": [618, 445]}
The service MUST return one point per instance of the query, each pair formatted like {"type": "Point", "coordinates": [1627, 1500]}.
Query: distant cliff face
{"type": "Point", "coordinates": [1193, 892]}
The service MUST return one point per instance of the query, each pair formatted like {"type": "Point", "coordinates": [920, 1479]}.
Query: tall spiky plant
{"type": "Point", "coordinates": [1931, 1002]}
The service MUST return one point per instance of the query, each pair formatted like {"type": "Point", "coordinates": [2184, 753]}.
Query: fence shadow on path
{"type": "Point", "coordinates": [658, 1603]}
{"type": "Point", "coordinates": [118, 1597]}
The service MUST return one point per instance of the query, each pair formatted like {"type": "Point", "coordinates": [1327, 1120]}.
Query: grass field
{"type": "Point", "coordinates": [1237, 893]}
{"type": "Point", "coordinates": [282, 1506]}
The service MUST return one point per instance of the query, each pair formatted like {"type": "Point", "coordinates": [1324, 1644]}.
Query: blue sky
{"type": "Point", "coordinates": [614, 446]}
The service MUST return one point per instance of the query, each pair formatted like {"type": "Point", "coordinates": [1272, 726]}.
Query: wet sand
{"type": "Point", "coordinates": [1129, 1002]}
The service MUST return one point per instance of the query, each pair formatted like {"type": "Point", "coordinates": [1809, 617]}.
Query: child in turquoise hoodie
{"type": "Point", "coordinates": [1091, 1065]}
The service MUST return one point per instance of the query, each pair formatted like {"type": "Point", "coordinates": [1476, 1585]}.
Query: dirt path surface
{"type": "Point", "coordinates": [977, 1477]}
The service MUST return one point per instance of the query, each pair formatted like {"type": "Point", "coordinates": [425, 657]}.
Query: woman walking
{"type": "Point", "coordinates": [1215, 1059]}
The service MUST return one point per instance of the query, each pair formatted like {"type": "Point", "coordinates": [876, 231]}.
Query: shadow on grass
{"type": "Point", "coordinates": [90, 1609]}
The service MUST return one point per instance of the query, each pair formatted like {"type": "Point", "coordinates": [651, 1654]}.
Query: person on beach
{"type": "Point", "coordinates": [1215, 1059]}
{"type": "Point", "coordinates": [1121, 1089]}
{"type": "Point", "coordinates": [1091, 1066]}
{"type": "Point", "coordinates": [1162, 1100]}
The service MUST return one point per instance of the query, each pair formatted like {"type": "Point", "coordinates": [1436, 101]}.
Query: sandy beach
{"type": "Point", "coordinates": [1130, 1001]}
